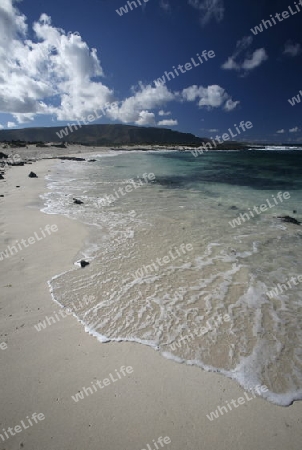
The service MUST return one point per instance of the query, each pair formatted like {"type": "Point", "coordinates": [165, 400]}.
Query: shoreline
{"type": "Point", "coordinates": [31, 154]}
{"type": "Point", "coordinates": [41, 371]}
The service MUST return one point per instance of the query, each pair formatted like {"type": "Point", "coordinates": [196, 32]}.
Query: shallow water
{"type": "Point", "coordinates": [208, 306]}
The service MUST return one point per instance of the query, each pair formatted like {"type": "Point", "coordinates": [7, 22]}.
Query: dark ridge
{"type": "Point", "coordinates": [104, 135]}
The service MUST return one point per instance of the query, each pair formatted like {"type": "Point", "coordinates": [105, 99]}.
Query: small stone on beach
{"type": "Point", "coordinates": [84, 263]}
{"type": "Point", "coordinates": [77, 202]}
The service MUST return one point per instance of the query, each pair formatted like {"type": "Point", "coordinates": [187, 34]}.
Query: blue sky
{"type": "Point", "coordinates": [60, 61]}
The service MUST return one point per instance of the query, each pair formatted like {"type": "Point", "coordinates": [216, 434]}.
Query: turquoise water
{"type": "Point", "coordinates": [208, 306]}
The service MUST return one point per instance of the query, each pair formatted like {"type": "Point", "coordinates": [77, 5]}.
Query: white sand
{"type": "Point", "coordinates": [40, 371]}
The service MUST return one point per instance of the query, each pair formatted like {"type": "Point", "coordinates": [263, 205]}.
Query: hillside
{"type": "Point", "coordinates": [105, 135]}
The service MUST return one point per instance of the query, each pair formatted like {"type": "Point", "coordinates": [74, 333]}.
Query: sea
{"type": "Point", "coordinates": [170, 268]}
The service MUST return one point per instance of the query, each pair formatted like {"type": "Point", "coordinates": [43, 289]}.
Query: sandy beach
{"type": "Point", "coordinates": [41, 371]}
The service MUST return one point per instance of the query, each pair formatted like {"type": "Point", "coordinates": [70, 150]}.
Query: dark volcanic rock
{"type": "Point", "coordinates": [33, 175]}
{"type": "Point", "coordinates": [60, 145]}
{"type": "Point", "coordinates": [84, 263]}
{"type": "Point", "coordinates": [16, 164]}
{"type": "Point", "coordinates": [233, 207]}
{"type": "Point", "coordinates": [1, 177]}
{"type": "Point", "coordinates": [3, 155]}
{"type": "Point", "coordinates": [41, 144]}
{"type": "Point", "coordinates": [71, 158]}
{"type": "Point", "coordinates": [92, 160]}
{"type": "Point", "coordinates": [289, 219]}
{"type": "Point", "coordinates": [77, 202]}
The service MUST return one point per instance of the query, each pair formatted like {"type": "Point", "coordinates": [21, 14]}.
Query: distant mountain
{"type": "Point", "coordinates": [104, 135]}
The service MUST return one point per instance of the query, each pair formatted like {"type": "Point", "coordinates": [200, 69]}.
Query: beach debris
{"type": "Point", "coordinates": [77, 201]}
{"type": "Point", "coordinates": [289, 219]}
{"type": "Point", "coordinates": [84, 263]}
{"type": "Point", "coordinates": [33, 175]}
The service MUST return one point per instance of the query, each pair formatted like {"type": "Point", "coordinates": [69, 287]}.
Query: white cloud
{"type": "Point", "coordinates": [213, 130]}
{"type": "Point", "coordinates": [230, 64]}
{"type": "Point", "coordinates": [249, 61]}
{"type": "Point", "coordinates": [146, 98]}
{"type": "Point", "coordinates": [230, 104]}
{"type": "Point", "coordinates": [167, 123]}
{"type": "Point", "coordinates": [191, 93]}
{"type": "Point", "coordinates": [23, 118]}
{"type": "Point", "coordinates": [281, 131]}
{"type": "Point", "coordinates": [291, 49]}
{"type": "Point", "coordinates": [57, 66]}
{"type": "Point", "coordinates": [12, 23]}
{"type": "Point", "coordinates": [1, 127]}
{"type": "Point", "coordinates": [294, 130]}
{"type": "Point", "coordinates": [209, 9]}
{"type": "Point", "coordinates": [145, 118]}
{"type": "Point", "coordinates": [11, 124]}
{"type": "Point", "coordinates": [57, 74]}
{"type": "Point", "coordinates": [164, 113]}
{"type": "Point", "coordinates": [255, 60]}
{"type": "Point", "coordinates": [213, 96]}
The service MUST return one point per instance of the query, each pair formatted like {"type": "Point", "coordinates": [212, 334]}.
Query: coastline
{"type": "Point", "coordinates": [42, 370]}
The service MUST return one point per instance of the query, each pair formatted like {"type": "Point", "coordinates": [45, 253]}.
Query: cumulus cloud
{"type": "Point", "coordinates": [213, 96]}
{"type": "Point", "coordinates": [281, 131]}
{"type": "Point", "coordinates": [292, 49]}
{"type": "Point", "coordinates": [250, 60]}
{"type": "Point", "coordinates": [56, 66]}
{"type": "Point", "coordinates": [255, 60]}
{"type": "Point", "coordinates": [209, 9]}
{"type": "Point", "coordinates": [294, 130]}
{"type": "Point", "coordinates": [164, 113]}
{"type": "Point", "coordinates": [167, 123]}
{"type": "Point", "coordinates": [144, 99]}
{"type": "Point", "coordinates": [11, 125]}
{"type": "Point", "coordinates": [145, 118]}
{"type": "Point", "coordinates": [59, 75]}
{"type": "Point", "coordinates": [12, 22]}
{"type": "Point", "coordinates": [23, 118]}
{"type": "Point", "coordinates": [230, 64]}
{"type": "Point", "coordinates": [230, 104]}
{"type": "Point", "coordinates": [1, 127]}
{"type": "Point", "coordinates": [45, 71]}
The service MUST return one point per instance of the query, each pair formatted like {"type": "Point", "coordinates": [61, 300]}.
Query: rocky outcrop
{"type": "Point", "coordinates": [16, 164]}
{"type": "Point", "coordinates": [289, 219]}
{"type": "Point", "coordinates": [71, 158]}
